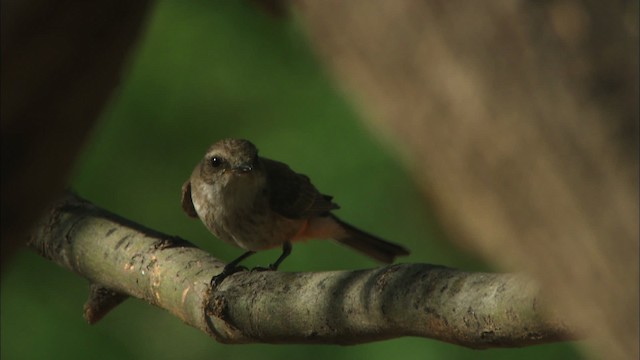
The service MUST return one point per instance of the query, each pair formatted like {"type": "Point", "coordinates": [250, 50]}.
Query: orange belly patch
{"type": "Point", "coordinates": [319, 228]}
{"type": "Point", "coordinates": [301, 234]}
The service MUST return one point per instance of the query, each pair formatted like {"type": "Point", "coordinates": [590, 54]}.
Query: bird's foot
{"type": "Point", "coordinates": [262, 268]}
{"type": "Point", "coordinates": [227, 271]}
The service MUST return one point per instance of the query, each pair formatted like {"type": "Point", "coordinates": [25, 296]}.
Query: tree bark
{"type": "Point", "coordinates": [477, 310]}
{"type": "Point", "coordinates": [61, 61]}
{"type": "Point", "coordinates": [520, 123]}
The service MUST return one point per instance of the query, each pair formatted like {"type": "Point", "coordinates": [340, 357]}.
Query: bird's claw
{"type": "Point", "coordinates": [227, 271]}
{"type": "Point", "coordinates": [262, 268]}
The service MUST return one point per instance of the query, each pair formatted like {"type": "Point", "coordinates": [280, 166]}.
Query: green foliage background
{"type": "Point", "coordinates": [206, 71]}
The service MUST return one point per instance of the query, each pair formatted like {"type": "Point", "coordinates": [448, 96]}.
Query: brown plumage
{"type": "Point", "coordinates": [257, 203]}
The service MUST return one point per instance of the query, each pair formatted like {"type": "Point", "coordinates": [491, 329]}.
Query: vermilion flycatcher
{"type": "Point", "coordinates": [256, 204]}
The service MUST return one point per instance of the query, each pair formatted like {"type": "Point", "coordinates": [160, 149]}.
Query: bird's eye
{"type": "Point", "coordinates": [216, 161]}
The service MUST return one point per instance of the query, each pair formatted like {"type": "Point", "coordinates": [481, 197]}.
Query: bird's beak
{"type": "Point", "coordinates": [243, 169]}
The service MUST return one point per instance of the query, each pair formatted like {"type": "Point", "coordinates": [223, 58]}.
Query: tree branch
{"type": "Point", "coordinates": [476, 310]}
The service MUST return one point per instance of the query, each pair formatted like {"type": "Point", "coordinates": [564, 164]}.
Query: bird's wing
{"type": "Point", "coordinates": [187, 203]}
{"type": "Point", "coordinates": [292, 195]}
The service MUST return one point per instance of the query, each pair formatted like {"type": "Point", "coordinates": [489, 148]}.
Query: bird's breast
{"type": "Point", "coordinates": [244, 221]}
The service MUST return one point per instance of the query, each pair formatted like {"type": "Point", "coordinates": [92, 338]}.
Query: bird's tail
{"type": "Point", "coordinates": [368, 244]}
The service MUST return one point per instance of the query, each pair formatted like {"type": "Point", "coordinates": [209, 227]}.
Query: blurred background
{"type": "Point", "coordinates": [204, 71]}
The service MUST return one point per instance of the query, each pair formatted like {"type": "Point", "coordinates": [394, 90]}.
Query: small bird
{"type": "Point", "coordinates": [256, 204]}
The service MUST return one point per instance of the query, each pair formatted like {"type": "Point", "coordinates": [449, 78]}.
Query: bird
{"type": "Point", "coordinates": [256, 204]}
